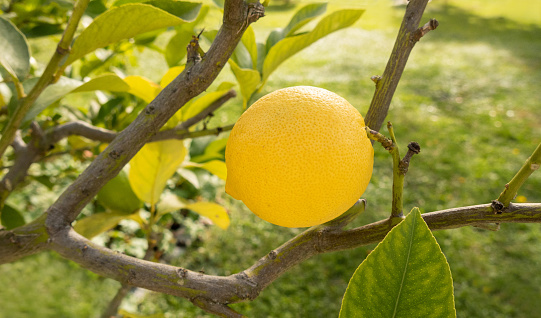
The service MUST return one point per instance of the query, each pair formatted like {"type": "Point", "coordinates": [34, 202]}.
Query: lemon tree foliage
{"type": "Point", "coordinates": [127, 19]}
{"type": "Point", "coordinates": [407, 275]}
{"type": "Point", "coordinates": [15, 57]}
{"type": "Point", "coordinates": [252, 63]}
{"type": "Point", "coordinates": [299, 157]}
{"type": "Point", "coordinates": [66, 85]}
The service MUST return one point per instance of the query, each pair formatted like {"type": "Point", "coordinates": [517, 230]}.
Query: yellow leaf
{"type": "Point", "coordinates": [142, 87]}
{"type": "Point", "coordinates": [152, 166]}
{"type": "Point", "coordinates": [216, 167]}
{"type": "Point", "coordinates": [171, 74]}
{"type": "Point", "coordinates": [216, 213]}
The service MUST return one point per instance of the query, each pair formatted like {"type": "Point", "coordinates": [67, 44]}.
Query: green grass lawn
{"type": "Point", "coordinates": [470, 96]}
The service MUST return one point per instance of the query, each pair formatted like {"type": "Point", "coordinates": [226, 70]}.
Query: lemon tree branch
{"type": "Point", "coordinates": [408, 35]}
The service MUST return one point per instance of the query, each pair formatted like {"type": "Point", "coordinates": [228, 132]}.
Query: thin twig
{"type": "Point", "coordinates": [510, 191]}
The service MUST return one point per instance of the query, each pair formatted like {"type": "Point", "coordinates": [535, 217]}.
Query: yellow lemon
{"type": "Point", "coordinates": [299, 157]}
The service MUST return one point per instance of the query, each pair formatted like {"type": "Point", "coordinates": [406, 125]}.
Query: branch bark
{"type": "Point", "coordinates": [219, 291]}
{"type": "Point", "coordinates": [408, 35]}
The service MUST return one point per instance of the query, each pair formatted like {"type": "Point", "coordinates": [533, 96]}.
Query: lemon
{"type": "Point", "coordinates": [299, 157]}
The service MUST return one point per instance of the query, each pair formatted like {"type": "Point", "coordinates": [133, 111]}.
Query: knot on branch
{"type": "Point", "coordinates": [255, 11]}
{"type": "Point", "coordinates": [420, 32]}
{"type": "Point", "coordinates": [497, 207]}
{"type": "Point", "coordinates": [193, 49]}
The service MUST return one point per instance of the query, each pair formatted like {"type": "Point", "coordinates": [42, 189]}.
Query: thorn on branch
{"type": "Point", "coordinates": [413, 149]}
{"type": "Point", "coordinates": [376, 79]}
{"type": "Point", "coordinates": [384, 141]}
{"type": "Point", "coordinates": [194, 50]}
{"type": "Point", "coordinates": [420, 32]}
{"type": "Point", "coordinates": [255, 11]}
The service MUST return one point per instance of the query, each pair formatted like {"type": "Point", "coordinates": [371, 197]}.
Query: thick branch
{"type": "Point", "coordinates": [408, 35]}
{"type": "Point", "coordinates": [248, 284]}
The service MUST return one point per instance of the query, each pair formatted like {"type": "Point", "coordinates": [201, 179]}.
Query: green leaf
{"type": "Point", "coordinates": [124, 22]}
{"type": "Point", "coordinates": [187, 11]}
{"type": "Point", "coordinates": [152, 166]}
{"type": "Point", "coordinates": [15, 56]}
{"type": "Point", "coordinates": [66, 85]}
{"type": "Point", "coordinates": [248, 80]}
{"type": "Point", "coordinates": [105, 82]}
{"type": "Point", "coordinates": [98, 223]}
{"type": "Point", "coordinates": [216, 213]}
{"type": "Point", "coordinates": [214, 150]}
{"type": "Point", "coordinates": [11, 217]}
{"type": "Point", "coordinates": [175, 50]}
{"type": "Point", "coordinates": [194, 108]}
{"type": "Point", "coordinates": [248, 40]}
{"type": "Point", "coordinates": [118, 195]}
{"type": "Point", "coordinates": [291, 45]}
{"type": "Point", "coordinates": [407, 275]}
{"type": "Point", "coordinates": [304, 16]}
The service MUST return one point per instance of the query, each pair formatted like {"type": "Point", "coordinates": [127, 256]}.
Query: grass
{"type": "Point", "coordinates": [469, 96]}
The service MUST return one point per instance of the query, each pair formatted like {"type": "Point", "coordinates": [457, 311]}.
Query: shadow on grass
{"type": "Point", "coordinates": [456, 24]}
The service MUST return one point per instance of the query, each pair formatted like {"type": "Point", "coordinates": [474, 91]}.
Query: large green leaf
{"type": "Point", "coordinates": [15, 56]}
{"type": "Point", "coordinates": [248, 80]}
{"type": "Point", "coordinates": [98, 223]}
{"type": "Point", "coordinates": [303, 16]}
{"type": "Point", "coordinates": [127, 21]}
{"type": "Point", "coordinates": [300, 19]}
{"type": "Point", "coordinates": [11, 218]}
{"type": "Point", "coordinates": [66, 85]}
{"type": "Point", "coordinates": [287, 47]}
{"type": "Point", "coordinates": [117, 195]}
{"type": "Point", "coordinates": [152, 166]}
{"type": "Point", "coordinates": [407, 275]}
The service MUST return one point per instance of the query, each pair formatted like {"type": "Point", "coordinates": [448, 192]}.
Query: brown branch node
{"type": "Point", "coordinates": [497, 207]}
{"type": "Point", "coordinates": [420, 32]}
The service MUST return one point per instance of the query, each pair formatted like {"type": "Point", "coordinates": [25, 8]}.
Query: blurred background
{"type": "Point", "coordinates": [470, 96]}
